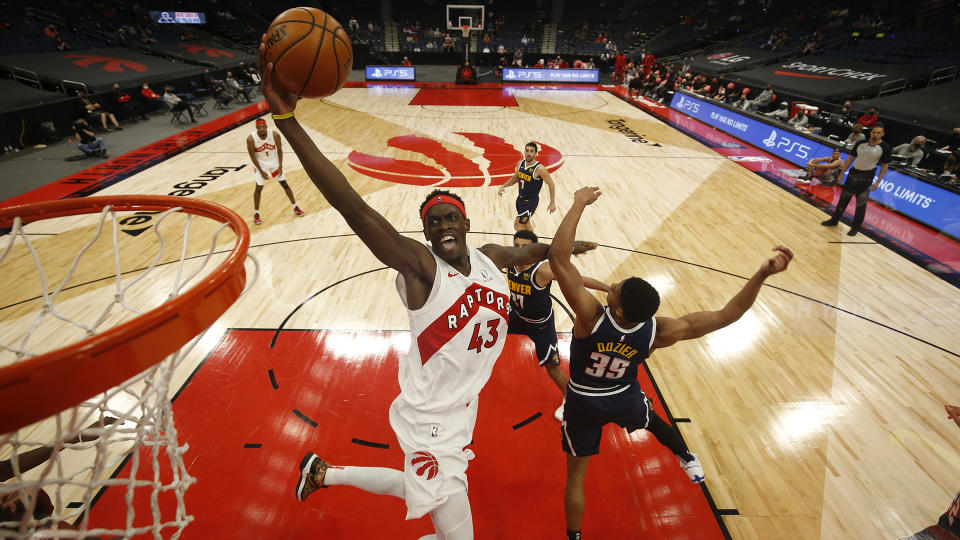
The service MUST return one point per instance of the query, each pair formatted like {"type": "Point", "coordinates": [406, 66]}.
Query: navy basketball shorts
{"type": "Point", "coordinates": [585, 415]}
{"type": "Point", "coordinates": [526, 208]}
{"type": "Point", "coordinates": [543, 335]}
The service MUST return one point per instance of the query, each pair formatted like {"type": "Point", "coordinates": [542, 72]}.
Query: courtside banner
{"type": "Point", "coordinates": [733, 59]}
{"type": "Point", "coordinates": [551, 75]}
{"type": "Point", "coordinates": [391, 73]}
{"type": "Point", "coordinates": [927, 203]}
{"type": "Point", "coordinates": [823, 78]}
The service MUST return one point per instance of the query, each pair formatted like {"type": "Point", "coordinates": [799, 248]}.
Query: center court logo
{"type": "Point", "coordinates": [492, 168]}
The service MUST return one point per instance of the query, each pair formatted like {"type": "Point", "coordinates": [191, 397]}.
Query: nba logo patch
{"type": "Point", "coordinates": [435, 431]}
{"type": "Point", "coordinates": [484, 275]}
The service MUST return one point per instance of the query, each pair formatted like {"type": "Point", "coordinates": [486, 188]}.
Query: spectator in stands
{"type": "Point", "coordinates": [953, 142]}
{"type": "Point", "coordinates": [51, 31]}
{"type": "Point", "coordinates": [63, 45]}
{"type": "Point", "coordinates": [825, 169]}
{"type": "Point", "coordinates": [152, 97]}
{"type": "Point", "coordinates": [176, 104]}
{"type": "Point", "coordinates": [911, 153]}
{"type": "Point", "coordinates": [948, 172]}
{"type": "Point", "coordinates": [234, 84]}
{"type": "Point", "coordinates": [783, 113]}
{"type": "Point", "coordinates": [799, 120]}
{"type": "Point", "coordinates": [406, 62]}
{"type": "Point", "coordinates": [742, 102]}
{"type": "Point", "coordinates": [92, 110]}
{"type": "Point", "coordinates": [127, 106]}
{"type": "Point", "coordinates": [87, 141]}
{"type": "Point", "coordinates": [856, 135]}
{"type": "Point", "coordinates": [589, 64]}
{"type": "Point", "coordinates": [869, 118]}
{"type": "Point", "coordinates": [847, 115]}
{"type": "Point", "coordinates": [763, 100]}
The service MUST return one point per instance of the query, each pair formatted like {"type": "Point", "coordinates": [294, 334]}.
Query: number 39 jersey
{"type": "Point", "coordinates": [606, 361]}
{"type": "Point", "coordinates": [456, 337]}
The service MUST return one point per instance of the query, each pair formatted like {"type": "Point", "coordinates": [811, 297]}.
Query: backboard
{"type": "Point", "coordinates": [461, 14]}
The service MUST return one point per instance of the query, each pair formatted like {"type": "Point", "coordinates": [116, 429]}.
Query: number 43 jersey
{"type": "Point", "coordinates": [605, 362]}
{"type": "Point", "coordinates": [456, 337]}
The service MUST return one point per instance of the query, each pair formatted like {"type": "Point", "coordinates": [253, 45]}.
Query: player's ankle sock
{"type": "Point", "coordinates": [573, 535]}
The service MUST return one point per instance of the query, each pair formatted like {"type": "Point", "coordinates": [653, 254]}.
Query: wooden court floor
{"type": "Point", "coordinates": [817, 415]}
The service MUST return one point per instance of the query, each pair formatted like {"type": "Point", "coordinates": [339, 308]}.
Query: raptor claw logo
{"type": "Point", "coordinates": [425, 464]}
{"type": "Point", "coordinates": [113, 65]}
{"type": "Point", "coordinates": [209, 51]}
{"type": "Point", "coordinates": [493, 168]}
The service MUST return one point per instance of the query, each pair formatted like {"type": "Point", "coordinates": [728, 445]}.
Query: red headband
{"type": "Point", "coordinates": [261, 121]}
{"type": "Point", "coordinates": [440, 199]}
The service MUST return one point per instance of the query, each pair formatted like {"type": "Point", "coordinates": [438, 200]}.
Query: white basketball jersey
{"type": "Point", "coordinates": [265, 150]}
{"type": "Point", "coordinates": [456, 337]}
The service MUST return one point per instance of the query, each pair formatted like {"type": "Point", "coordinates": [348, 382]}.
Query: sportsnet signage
{"type": "Point", "coordinates": [926, 203]}
{"type": "Point", "coordinates": [800, 69]}
{"type": "Point", "coordinates": [827, 79]}
{"type": "Point", "coordinates": [391, 73]}
{"type": "Point", "coordinates": [551, 75]}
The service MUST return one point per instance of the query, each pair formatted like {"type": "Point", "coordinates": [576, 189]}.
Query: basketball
{"type": "Point", "coordinates": [310, 51]}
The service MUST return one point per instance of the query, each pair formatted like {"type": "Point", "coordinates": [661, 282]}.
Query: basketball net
{"type": "Point", "coordinates": [129, 424]}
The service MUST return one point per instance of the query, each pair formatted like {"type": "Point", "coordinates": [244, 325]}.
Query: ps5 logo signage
{"type": "Point", "coordinates": [785, 143]}
{"type": "Point", "coordinates": [687, 104]}
{"type": "Point", "coordinates": [391, 73]}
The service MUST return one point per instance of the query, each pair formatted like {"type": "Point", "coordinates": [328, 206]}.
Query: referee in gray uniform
{"type": "Point", "coordinates": [866, 154]}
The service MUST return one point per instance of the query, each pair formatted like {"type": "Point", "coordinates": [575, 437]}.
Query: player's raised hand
{"type": "Point", "coordinates": [587, 195]}
{"type": "Point", "coordinates": [579, 246]}
{"type": "Point", "coordinates": [279, 100]}
{"type": "Point", "coordinates": [779, 262]}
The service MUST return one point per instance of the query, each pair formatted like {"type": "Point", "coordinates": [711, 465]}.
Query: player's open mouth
{"type": "Point", "coordinates": [448, 242]}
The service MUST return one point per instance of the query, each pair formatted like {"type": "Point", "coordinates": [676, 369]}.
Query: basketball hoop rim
{"type": "Point", "coordinates": [39, 387]}
{"type": "Point", "coordinates": [465, 28]}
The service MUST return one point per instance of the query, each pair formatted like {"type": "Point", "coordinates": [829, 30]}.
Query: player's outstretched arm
{"type": "Point", "coordinates": [698, 324]}
{"type": "Point", "coordinates": [545, 275]}
{"type": "Point", "coordinates": [513, 180]}
{"type": "Point", "coordinates": [409, 257]}
{"type": "Point", "coordinates": [587, 308]}
{"type": "Point", "coordinates": [507, 256]}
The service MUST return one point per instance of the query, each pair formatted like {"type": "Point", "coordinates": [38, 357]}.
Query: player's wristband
{"type": "Point", "coordinates": [283, 116]}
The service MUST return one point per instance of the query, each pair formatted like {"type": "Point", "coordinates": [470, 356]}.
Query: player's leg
{"type": "Point", "coordinates": [103, 120]}
{"type": "Point", "coordinates": [860, 210]}
{"type": "Point", "coordinates": [453, 519]}
{"type": "Point", "coordinates": [256, 198]}
{"type": "Point", "coordinates": [669, 436]}
{"type": "Point", "coordinates": [289, 192]}
{"type": "Point", "coordinates": [544, 338]}
{"type": "Point", "coordinates": [315, 473]}
{"type": "Point", "coordinates": [574, 501]}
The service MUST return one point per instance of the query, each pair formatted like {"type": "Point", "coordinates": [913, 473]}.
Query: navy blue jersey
{"type": "Point", "coordinates": [529, 186]}
{"type": "Point", "coordinates": [528, 301]}
{"type": "Point", "coordinates": [607, 359]}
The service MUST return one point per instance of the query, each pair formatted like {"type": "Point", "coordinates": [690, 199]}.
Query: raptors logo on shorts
{"type": "Point", "coordinates": [425, 464]}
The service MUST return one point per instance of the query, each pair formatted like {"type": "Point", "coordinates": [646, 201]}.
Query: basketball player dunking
{"type": "Point", "coordinates": [531, 175]}
{"type": "Point", "coordinates": [457, 302]}
{"type": "Point", "coordinates": [266, 152]}
{"type": "Point", "coordinates": [531, 311]}
{"type": "Point", "coordinates": [608, 344]}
